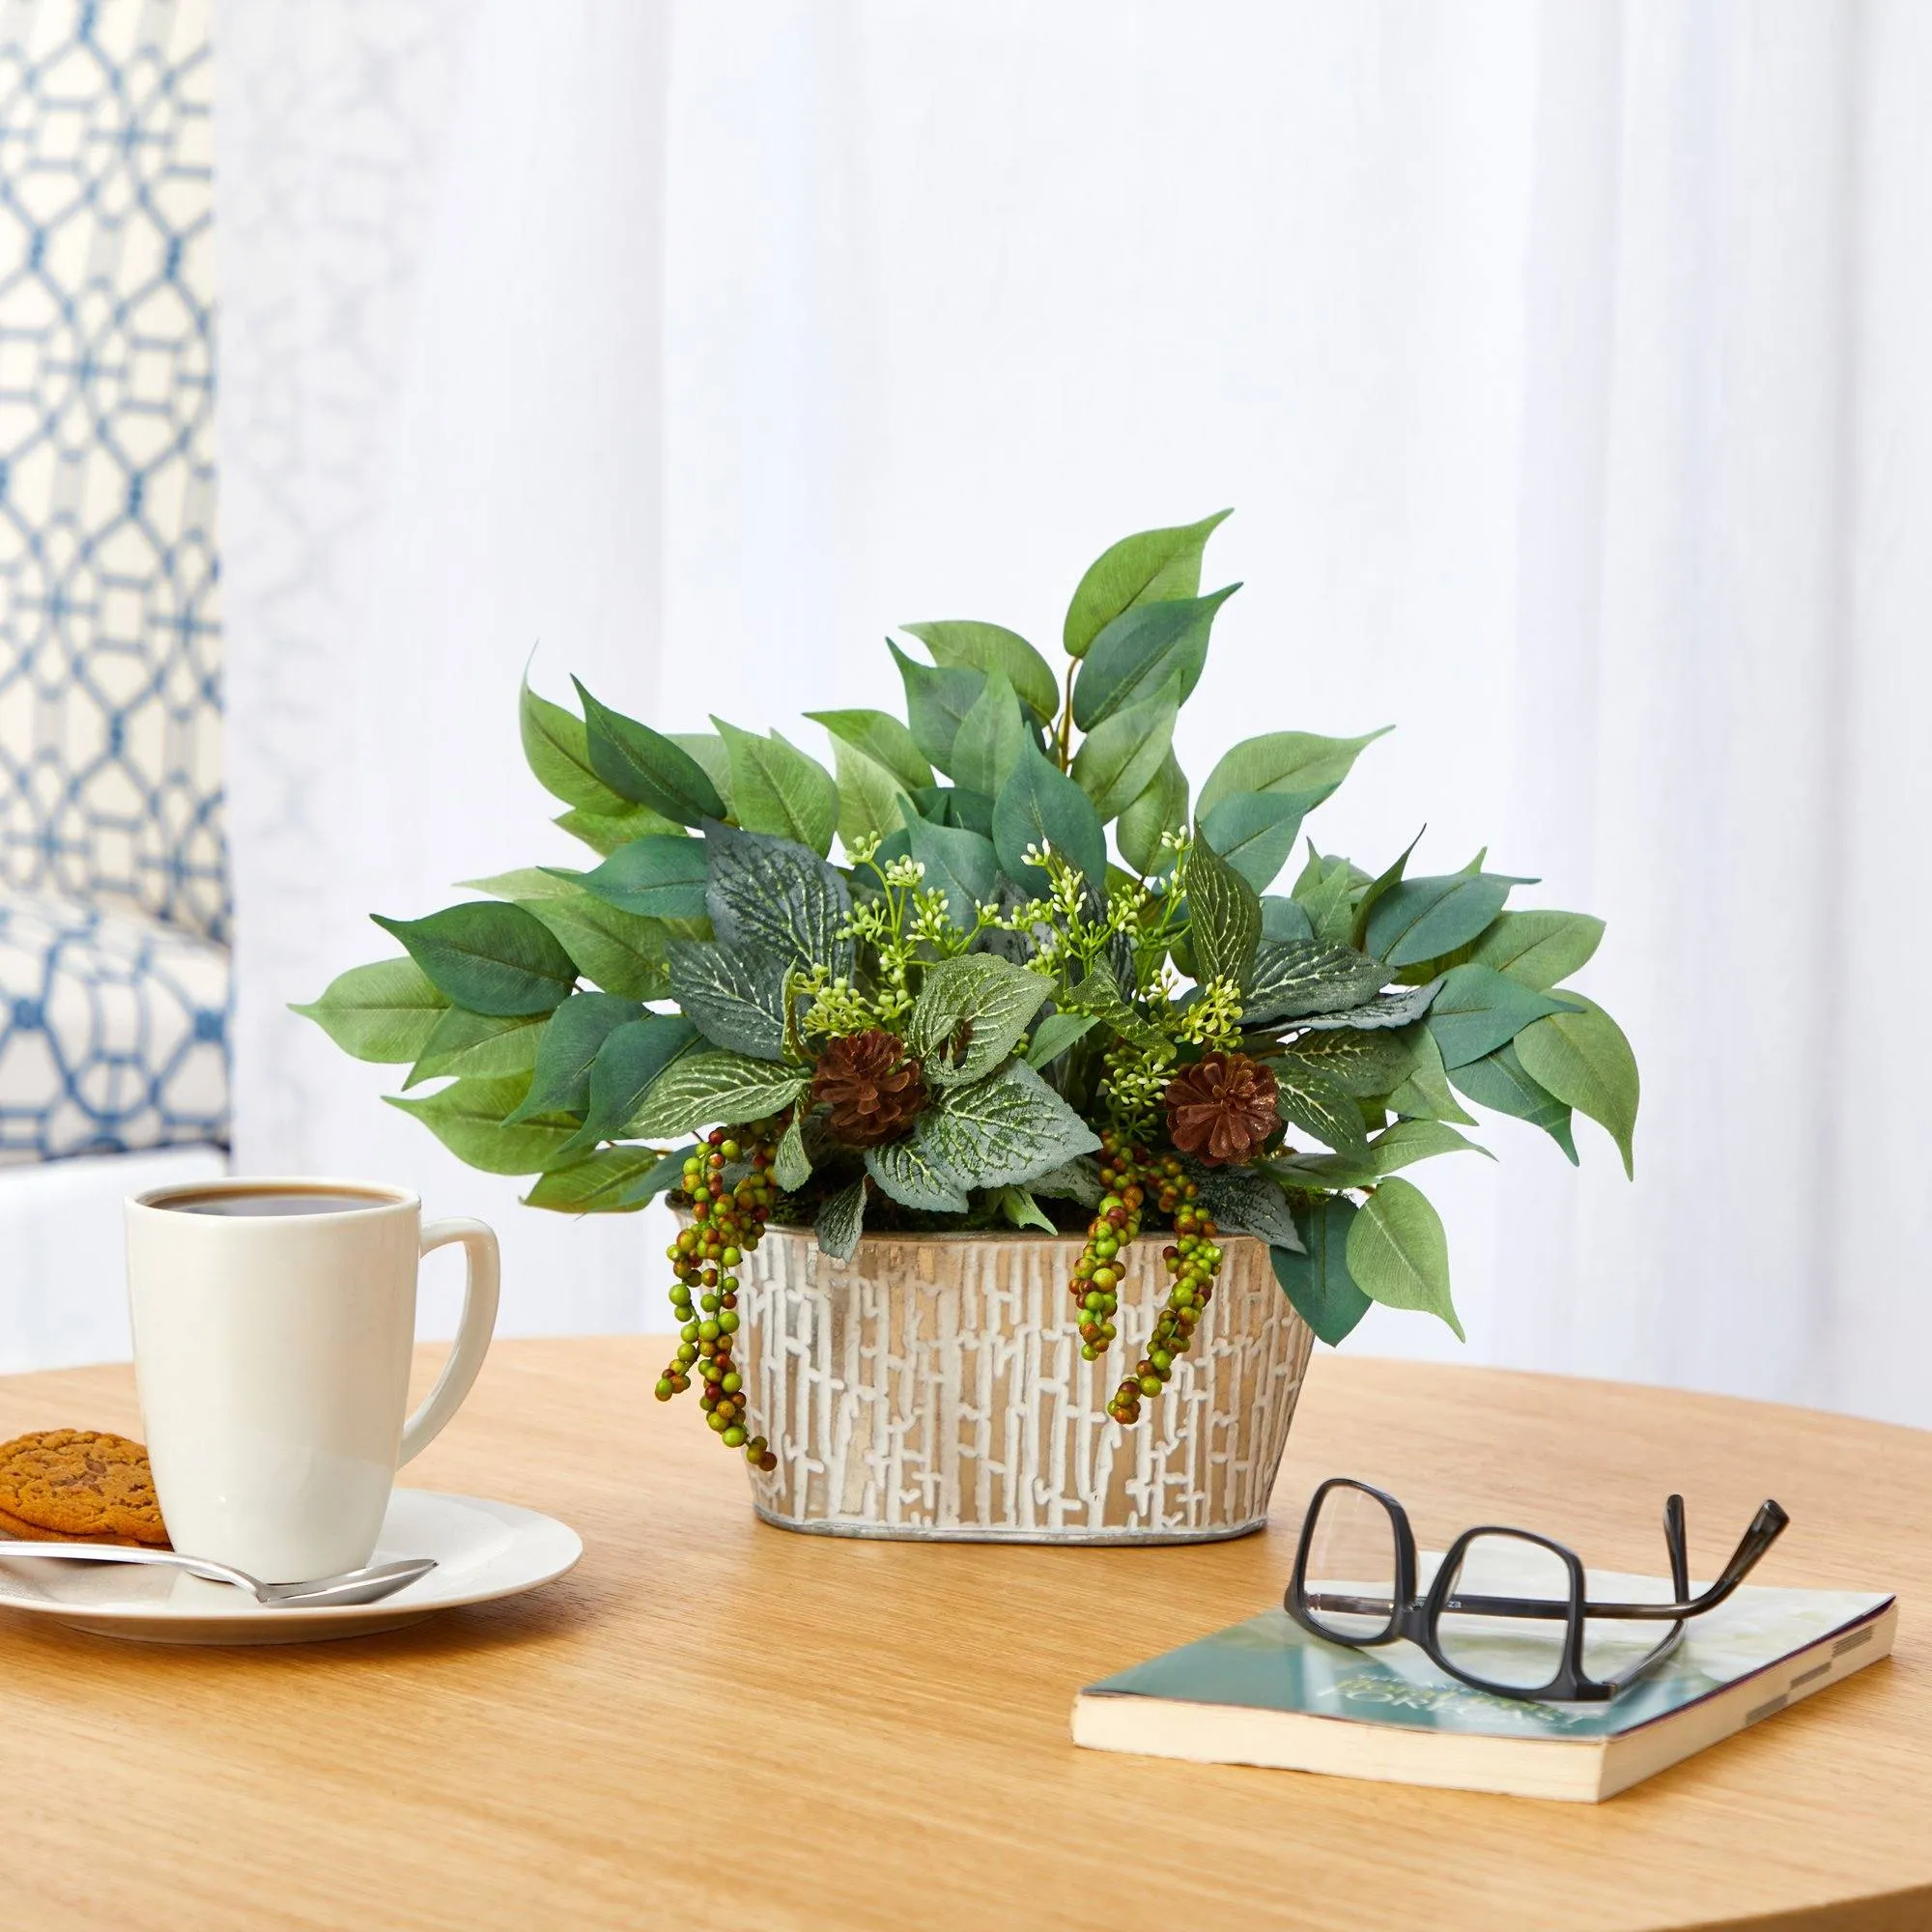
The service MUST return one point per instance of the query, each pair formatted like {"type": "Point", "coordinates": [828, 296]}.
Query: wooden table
{"type": "Point", "coordinates": [715, 1723]}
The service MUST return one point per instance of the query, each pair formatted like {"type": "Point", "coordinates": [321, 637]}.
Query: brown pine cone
{"type": "Point", "coordinates": [1221, 1109]}
{"type": "Point", "coordinates": [872, 1086]}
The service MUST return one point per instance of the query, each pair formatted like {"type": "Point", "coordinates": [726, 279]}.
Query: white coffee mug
{"type": "Point", "coordinates": [274, 1324]}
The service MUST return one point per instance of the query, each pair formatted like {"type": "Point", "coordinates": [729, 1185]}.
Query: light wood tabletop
{"type": "Point", "coordinates": [714, 1722]}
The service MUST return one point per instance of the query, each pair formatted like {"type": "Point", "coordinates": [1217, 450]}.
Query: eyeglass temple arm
{"type": "Point", "coordinates": [1675, 1542]}
{"type": "Point", "coordinates": [1767, 1526]}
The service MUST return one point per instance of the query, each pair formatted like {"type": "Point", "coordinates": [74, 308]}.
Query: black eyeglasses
{"type": "Point", "coordinates": [1506, 1611]}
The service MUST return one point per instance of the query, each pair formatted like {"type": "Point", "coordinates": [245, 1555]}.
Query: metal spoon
{"type": "Point", "coordinates": [351, 1586]}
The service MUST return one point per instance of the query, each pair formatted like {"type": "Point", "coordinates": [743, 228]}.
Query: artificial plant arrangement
{"type": "Point", "coordinates": [979, 1018]}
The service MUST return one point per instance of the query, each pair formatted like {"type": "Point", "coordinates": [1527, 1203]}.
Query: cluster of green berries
{"type": "Point", "coordinates": [727, 1222]}
{"type": "Point", "coordinates": [1194, 1261]}
{"type": "Point", "coordinates": [1096, 1287]}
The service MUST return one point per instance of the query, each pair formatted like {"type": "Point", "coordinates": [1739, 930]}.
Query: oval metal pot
{"type": "Point", "coordinates": [933, 1388]}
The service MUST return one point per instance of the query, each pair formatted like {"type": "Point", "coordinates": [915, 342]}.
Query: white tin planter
{"type": "Point", "coordinates": [933, 1388]}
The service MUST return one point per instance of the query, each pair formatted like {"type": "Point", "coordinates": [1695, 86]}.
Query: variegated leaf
{"type": "Point", "coordinates": [1002, 1131]}
{"type": "Point", "coordinates": [1292, 980]}
{"type": "Point", "coordinates": [1398, 1007]}
{"type": "Point", "coordinates": [704, 1088]}
{"type": "Point", "coordinates": [970, 1013]}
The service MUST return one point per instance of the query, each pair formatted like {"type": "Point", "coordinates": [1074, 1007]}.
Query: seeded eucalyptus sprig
{"type": "Point", "coordinates": [1045, 984]}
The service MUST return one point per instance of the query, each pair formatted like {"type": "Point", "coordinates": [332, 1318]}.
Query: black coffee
{"type": "Point", "coordinates": [303, 1201]}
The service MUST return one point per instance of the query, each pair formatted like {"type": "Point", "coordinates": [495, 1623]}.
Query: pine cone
{"type": "Point", "coordinates": [1221, 1109]}
{"type": "Point", "coordinates": [872, 1086]}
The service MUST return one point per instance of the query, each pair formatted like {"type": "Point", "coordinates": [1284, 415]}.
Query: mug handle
{"type": "Point", "coordinates": [481, 1275]}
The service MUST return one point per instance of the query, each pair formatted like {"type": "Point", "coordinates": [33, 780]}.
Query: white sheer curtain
{"type": "Point", "coordinates": [1565, 363]}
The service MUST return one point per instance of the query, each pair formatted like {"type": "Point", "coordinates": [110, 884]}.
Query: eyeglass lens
{"type": "Point", "coordinates": [1522, 1652]}
{"type": "Point", "coordinates": [1352, 1566]}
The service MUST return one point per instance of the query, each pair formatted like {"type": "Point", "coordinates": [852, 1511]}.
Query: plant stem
{"type": "Point", "coordinates": [1064, 737]}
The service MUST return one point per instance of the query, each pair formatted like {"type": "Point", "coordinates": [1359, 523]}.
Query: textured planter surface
{"type": "Point", "coordinates": [933, 1388]}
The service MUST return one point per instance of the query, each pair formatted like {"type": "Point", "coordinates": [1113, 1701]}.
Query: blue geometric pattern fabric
{"type": "Point", "coordinates": [109, 621]}
{"type": "Point", "coordinates": [113, 1031]}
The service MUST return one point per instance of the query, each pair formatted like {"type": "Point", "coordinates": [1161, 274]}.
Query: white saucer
{"type": "Point", "coordinates": [483, 1551]}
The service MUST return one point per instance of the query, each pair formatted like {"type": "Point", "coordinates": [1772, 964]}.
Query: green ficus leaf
{"type": "Point", "coordinates": [1255, 832]}
{"type": "Point", "coordinates": [1399, 1146]}
{"type": "Point", "coordinates": [1317, 1280]}
{"type": "Point", "coordinates": [712, 755]}
{"type": "Point", "coordinates": [1148, 567]}
{"type": "Point", "coordinates": [604, 1184]}
{"type": "Point", "coordinates": [969, 1014]}
{"type": "Point", "coordinates": [873, 804]}
{"type": "Point", "coordinates": [604, 833]}
{"type": "Point", "coordinates": [1126, 754]}
{"type": "Point", "coordinates": [382, 1012]}
{"type": "Point", "coordinates": [1285, 918]}
{"type": "Point", "coordinates": [479, 1046]}
{"type": "Point", "coordinates": [630, 1062]}
{"type": "Point", "coordinates": [1020, 1209]}
{"type": "Point", "coordinates": [667, 1173]}
{"type": "Point", "coordinates": [1584, 1059]}
{"type": "Point", "coordinates": [1479, 1009]}
{"type": "Point", "coordinates": [776, 788]}
{"type": "Point", "coordinates": [491, 958]}
{"type": "Point", "coordinates": [879, 736]}
{"type": "Point", "coordinates": [937, 700]}
{"type": "Point", "coordinates": [990, 736]}
{"type": "Point", "coordinates": [1294, 762]}
{"type": "Point", "coordinates": [1295, 980]}
{"type": "Point", "coordinates": [468, 1119]}
{"type": "Point", "coordinates": [1423, 918]}
{"type": "Point", "coordinates": [1140, 652]}
{"type": "Point", "coordinates": [1399, 1255]}
{"type": "Point", "coordinates": [529, 882]}
{"type": "Point", "coordinates": [1378, 891]}
{"type": "Point", "coordinates": [658, 877]}
{"type": "Point", "coordinates": [572, 1037]}
{"type": "Point", "coordinates": [1325, 892]}
{"type": "Point", "coordinates": [1162, 807]}
{"type": "Point", "coordinates": [1039, 806]}
{"type": "Point", "coordinates": [1224, 911]}
{"type": "Point", "coordinates": [557, 750]}
{"type": "Point", "coordinates": [957, 808]}
{"type": "Point", "coordinates": [620, 952]}
{"type": "Point", "coordinates": [1423, 1093]}
{"type": "Point", "coordinates": [1497, 1081]}
{"type": "Point", "coordinates": [990, 648]}
{"type": "Point", "coordinates": [708, 1088]}
{"type": "Point", "coordinates": [1055, 1035]}
{"type": "Point", "coordinates": [646, 767]}
{"type": "Point", "coordinates": [1409, 1140]}
{"type": "Point", "coordinates": [1539, 948]}
{"type": "Point", "coordinates": [960, 864]}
